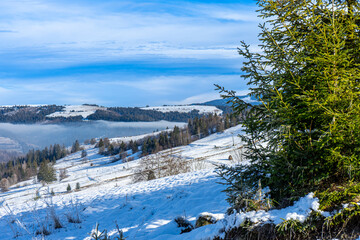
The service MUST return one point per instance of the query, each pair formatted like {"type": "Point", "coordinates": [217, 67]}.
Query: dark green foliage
{"type": "Point", "coordinates": [184, 224]}
{"type": "Point", "coordinates": [133, 146]}
{"type": "Point", "coordinates": [343, 225]}
{"type": "Point", "coordinates": [68, 188]}
{"type": "Point", "coordinates": [197, 128]}
{"type": "Point", "coordinates": [77, 186]}
{"type": "Point", "coordinates": [111, 149]}
{"type": "Point", "coordinates": [46, 172]}
{"type": "Point", "coordinates": [333, 197]}
{"type": "Point", "coordinates": [136, 114]}
{"type": "Point", "coordinates": [27, 114]}
{"type": "Point", "coordinates": [346, 220]}
{"type": "Point", "coordinates": [101, 143]}
{"type": "Point", "coordinates": [75, 147]}
{"type": "Point", "coordinates": [307, 78]}
{"type": "Point", "coordinates": [22, 168]}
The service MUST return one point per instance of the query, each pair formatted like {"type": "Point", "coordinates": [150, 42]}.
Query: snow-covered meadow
{"type": "Point", "coordinates": [76, 110]}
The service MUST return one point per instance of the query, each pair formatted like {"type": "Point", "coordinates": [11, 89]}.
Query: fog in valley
{"type": "Point", "coordinates": [29, 136]}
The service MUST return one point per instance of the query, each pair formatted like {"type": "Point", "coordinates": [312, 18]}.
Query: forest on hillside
{"type": "Point", "coordinates": [38, 114]}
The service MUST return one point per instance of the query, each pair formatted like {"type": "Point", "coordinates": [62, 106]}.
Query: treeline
{"type": "Point", "coordinates": [135, 114]}
{"type": "Point", "coordinates": [27, 114]}
{"type": "Point", "coordinates": [196, 128]}
{"type": "Point", "coordinates": [22, 168]}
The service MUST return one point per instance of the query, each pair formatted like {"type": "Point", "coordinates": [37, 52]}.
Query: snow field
{"type": "Point", "coordinates": [76, 110]}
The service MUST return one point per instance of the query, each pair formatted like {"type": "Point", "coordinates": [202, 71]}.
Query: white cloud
{"type": "Point", "coordinates": [73, 37]}
{"type": "Point", "coordinates": [72, 33]}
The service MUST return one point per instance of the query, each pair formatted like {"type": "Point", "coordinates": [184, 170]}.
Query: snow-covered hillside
{"type": "Point", "coordinates": [186, 108]}
{"type": "Point", "coordinates": [76, 110]}
{"type": "Point", "coordinates": [144, 210]}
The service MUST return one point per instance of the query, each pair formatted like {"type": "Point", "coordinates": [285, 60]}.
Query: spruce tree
{"type": "Point", "coordinates": [75, 147]}
{"type": "Point", "coordinates": [305, 134]}
{"type": "Point", "coordinates": [46, 172]}
{"type": "Point", "coordinates": [68, 188]}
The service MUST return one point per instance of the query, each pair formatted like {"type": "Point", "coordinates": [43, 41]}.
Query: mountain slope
{"type": "Point", "coordinates": [144, 210]}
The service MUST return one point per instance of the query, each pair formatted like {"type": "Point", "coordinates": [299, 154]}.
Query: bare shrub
{"type": "Point", "coordinates": [198, 164]}
{"type": "Point", "coordinates": [4, 185]}
{"type": "Point", "coordinates": [237, 155]}
{"type": "Point", "coordinates": [41, 224]}
{"type": "Point", "coordinates": [160, 165]}
{"type": "Point", "coordinates": [63, 174]}
{"type": "Point", "coordinates": [16, 226]}
{"type": "Point", "coordinates": [73, 214]}
{"type": "Point", "coordinates": [50, 209]}
{"type": "Point", "coordinates": [123, 155]}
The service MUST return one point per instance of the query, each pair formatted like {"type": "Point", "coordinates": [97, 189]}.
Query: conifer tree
{"type": "Point", "coordinates": [75, 147]}
{"type": "Point", "coordinates": [83, 153]}
{"type": "Point", "coordinates": [46, 172]}
{"type": "Point", "coordinates": [305, 134]}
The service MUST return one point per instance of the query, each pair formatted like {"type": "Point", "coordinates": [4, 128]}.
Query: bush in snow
{"type": "Point", "coordinates": [205, 219]}
{"type": "Point", "coordinates": [63, 174]}
{"type": "Point", "coordinates": [184, 224]}
{"type": "Point", "coordinates": [50, 209]}
{"type": "Point", "coordinates": [74, 212]}
{"type": "Point", "coordinates": [96, 234]}
{"type": "Point", "coordinates": [68, 188]}
{"type": "Point", "coordinates": [4, 185]}
{"type": "Point", "coordinates": [160, 165]}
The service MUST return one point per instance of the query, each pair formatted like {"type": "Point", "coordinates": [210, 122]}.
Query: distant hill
{"type": "Point", "coordinates": [87, 112]}
{"type": "Point", "coordinates": [223, 102]}
{"type": "Point", "coordinates": [226, 107]}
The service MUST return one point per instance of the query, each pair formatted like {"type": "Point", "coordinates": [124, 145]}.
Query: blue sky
{"type": "Point", "coordinates": [121, 53]}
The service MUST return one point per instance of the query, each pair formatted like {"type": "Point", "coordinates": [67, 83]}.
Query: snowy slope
{"type": "Point", "coordinates": [144, 210]}
{"type": "Point", "coordinates": [76, 110]}
{"type": "Point", "coordinates": [186, 109]}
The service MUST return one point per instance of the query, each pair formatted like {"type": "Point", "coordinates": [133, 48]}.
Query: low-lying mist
{"type": "Point", "coordinates": [42, 135]}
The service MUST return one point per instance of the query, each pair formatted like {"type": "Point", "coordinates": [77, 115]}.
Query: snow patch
{"type": "Point", "coordinates": [76, 110]}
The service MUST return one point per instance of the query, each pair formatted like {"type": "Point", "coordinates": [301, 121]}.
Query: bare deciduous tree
{"type": "Point", "coordinates": [160, 165]}
{"type": "Point", "coordinates": [4, 185]}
